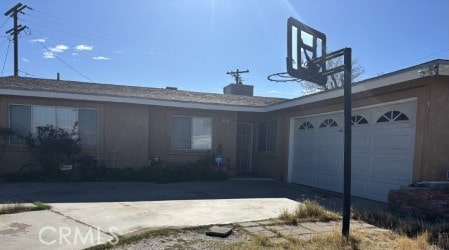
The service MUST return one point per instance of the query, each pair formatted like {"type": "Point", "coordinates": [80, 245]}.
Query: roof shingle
{"type": "Point", "coordinates": [73, 87]}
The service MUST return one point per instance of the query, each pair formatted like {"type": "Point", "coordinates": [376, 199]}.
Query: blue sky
{"type": "Point", "coordinates": [192, 44]}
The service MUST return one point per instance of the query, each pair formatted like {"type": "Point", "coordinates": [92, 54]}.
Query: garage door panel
{"type": "Point", "coordinates": [327, 142]}
{"type": "Point", "coordinates": [304, 160]}
{"type": "Point", "coordinates": [360, 164]}
{"type": "Point", "coordinates": [378, 187]}
{"type": "Point", "coordinates": [306, 141]}
{"type": "Point", "coordinates": [305, 177]}
{"type": "Point", "coordinates": [360, 141]}
{"type": "Point", "coordinates": [392, 141]}
{"type": "Point", "coordinates": [359, 186]}
{"type": "Point", "coordinates": [392, 166]}
{"type": "Point", "coordinates": [329, 163]}
{"type": "Point", "coordinates": [328, 182]}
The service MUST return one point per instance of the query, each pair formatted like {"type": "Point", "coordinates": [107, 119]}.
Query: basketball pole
{"type": "Point", "coordinates": [347, 141]}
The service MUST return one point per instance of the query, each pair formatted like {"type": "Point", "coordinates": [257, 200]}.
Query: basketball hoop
{"type": "Point", "coordinates": [283, 77]}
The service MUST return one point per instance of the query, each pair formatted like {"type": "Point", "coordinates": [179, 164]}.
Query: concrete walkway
{"type": "Point", "coordinates": [80, 225]}
{"type": "Point", "coordinates": [86, 214]}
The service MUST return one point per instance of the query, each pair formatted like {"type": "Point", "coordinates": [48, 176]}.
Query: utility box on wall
{"type": "Point", "coordinates": [239, 89]}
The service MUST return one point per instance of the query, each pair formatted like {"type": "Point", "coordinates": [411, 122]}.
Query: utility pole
{"type": "Point", "coordinates": [13, 12]}
{"type": "Point", "coordinates": [236, 75]}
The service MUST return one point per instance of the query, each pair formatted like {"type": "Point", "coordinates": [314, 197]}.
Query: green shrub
{"type": "Point", "coordinates": [201, 170]}
{"type": "Point", "coordinates": [53, 146]}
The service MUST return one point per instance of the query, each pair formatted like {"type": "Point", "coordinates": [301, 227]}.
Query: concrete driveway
{"type": "Point", "coordinates": [100, 211]}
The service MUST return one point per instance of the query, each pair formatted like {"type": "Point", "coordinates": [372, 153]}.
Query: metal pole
{"type": "Point", "coordinates": [16, 47]}
{"type": "Point", "coordinates": [347, 142]}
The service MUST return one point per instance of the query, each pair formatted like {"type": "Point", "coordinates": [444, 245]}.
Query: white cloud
{"type": "Point", "coordinates": [84, 47]}
{"type": "Point", "coordinates": [59, 48]}
{"type": "Point", "coordinates": [39, 40]}
{"type": "Point", "coordinates": [101, 58]}
{"type": "Point", "coordinates": [49, 55]}
{"type": "Point", "coordinates": [25, 59]}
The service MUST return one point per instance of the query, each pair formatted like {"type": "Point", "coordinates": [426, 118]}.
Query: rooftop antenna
{"type": "Point", "coordinates": [236, 75]}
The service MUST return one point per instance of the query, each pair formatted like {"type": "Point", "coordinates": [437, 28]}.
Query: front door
{"type": "Point", "coordinates": [244, 147]}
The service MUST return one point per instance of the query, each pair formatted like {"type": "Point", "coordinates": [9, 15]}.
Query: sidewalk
{"type": "Point", "coordinates": [279, 234]}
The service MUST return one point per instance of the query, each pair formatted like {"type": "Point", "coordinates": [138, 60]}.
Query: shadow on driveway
{"type": "Point", "coordinates": [74, 192]}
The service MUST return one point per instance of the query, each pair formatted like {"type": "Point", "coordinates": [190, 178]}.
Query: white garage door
{"type": "Point", "coordinates": [382, 150]}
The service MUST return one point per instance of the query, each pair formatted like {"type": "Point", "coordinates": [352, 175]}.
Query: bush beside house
{"type": "Point", "coordinates": [54, 148]}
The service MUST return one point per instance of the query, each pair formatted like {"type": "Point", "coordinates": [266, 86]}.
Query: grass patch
{"type": "Point", "coordinates": [20, 208]}
{"type": "Point", "coordinates": [308, 211]}
{"type": "Point", "coordinates": [358, 239]}
{"type": "Point", "coordinates": [330, 241]}
{"type": "Point", "coordinates": [435, 232]}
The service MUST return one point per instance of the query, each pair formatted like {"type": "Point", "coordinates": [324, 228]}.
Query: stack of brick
{"type": "Point", "coordinates": [428, 202]}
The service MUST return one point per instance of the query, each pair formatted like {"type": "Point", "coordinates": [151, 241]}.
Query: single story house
{"type": "Point", "coordinates": [400, 127]}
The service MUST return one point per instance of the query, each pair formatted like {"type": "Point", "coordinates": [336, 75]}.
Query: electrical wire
{"type": "Point", "coordinates": [4, 62]}
{"type": "Point", "coordinates": [422, 58]}
{"type": "Point", "coordinates": [57, 57]}
{"type": "Point", "coordinates": [28, 74]}
{"type": "Point", "coordinates": [82, 29]}
{"type": "Point", "coordinates": [1, 26]}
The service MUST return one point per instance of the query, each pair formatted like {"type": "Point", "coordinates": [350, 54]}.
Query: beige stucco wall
{"type": "Point", "coordinates": [125, 129]}
{"type": "Point", "coordinates": [137, 132]}
{"type": "Point", "coordinates": [224, 128]}
{"type": "Point", "coordinates": [435, 144]}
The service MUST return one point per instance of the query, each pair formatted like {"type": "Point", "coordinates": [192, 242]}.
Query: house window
{"type": "Point", "coordinates": [358, 120]}
{"type": "Point", "coordinates": [267, 136]}
{"type": "Point", "coordinates": [19, 122]}
{"type": "Point", "coordinates": [87, 127]}
{"type": "Point", "coordinates": [191, 133]}
{"type": "Point", "coordinates": [392, 116]}
{"type": "Point", "coordinates": [306, 125]}
{"type": "Point", "coordinates": [25, 119]}
{"type": "Point", "coordinates": [328, 123]}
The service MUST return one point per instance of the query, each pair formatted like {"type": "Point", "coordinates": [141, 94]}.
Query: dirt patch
{"type": "Point", "coordinates": [191, 239]}
{"type": "Point", "coordinates": [16, 228]}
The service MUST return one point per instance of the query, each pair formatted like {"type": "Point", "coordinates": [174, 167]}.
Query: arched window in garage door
{"type": "Point", "coordinates": [306, 125]}
{"type": "Point", "coordinates": [328, 123]}
{"type": "Point", "coordinates": [392, 116]}
{"type": "Point", "coordinates": [358, 120]}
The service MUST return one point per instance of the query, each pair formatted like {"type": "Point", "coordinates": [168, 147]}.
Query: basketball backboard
{"type": "Point", "coordinates": [305, 50]}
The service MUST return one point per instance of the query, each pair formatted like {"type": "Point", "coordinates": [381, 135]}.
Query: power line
{"type": "Point", "coordinates": [28, 74]}
{"type": "Point", "coordinates": [1, 26]}
{"type": "Point", "coordinates": [4, 62]}
{"type": "Point", "coordinates": [83, 29]}
{"type": "Point", "coordinates": [81, 35]}
{"type": "Point", "coordinates": [399, 66]}
{"type": "Point", "coordinates": [7, 39]}
{"type": "Point", "coordinates": [62, 61]}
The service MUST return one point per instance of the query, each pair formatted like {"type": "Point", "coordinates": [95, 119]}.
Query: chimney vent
{"type": "Point", "coordinates": [58, 76]}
